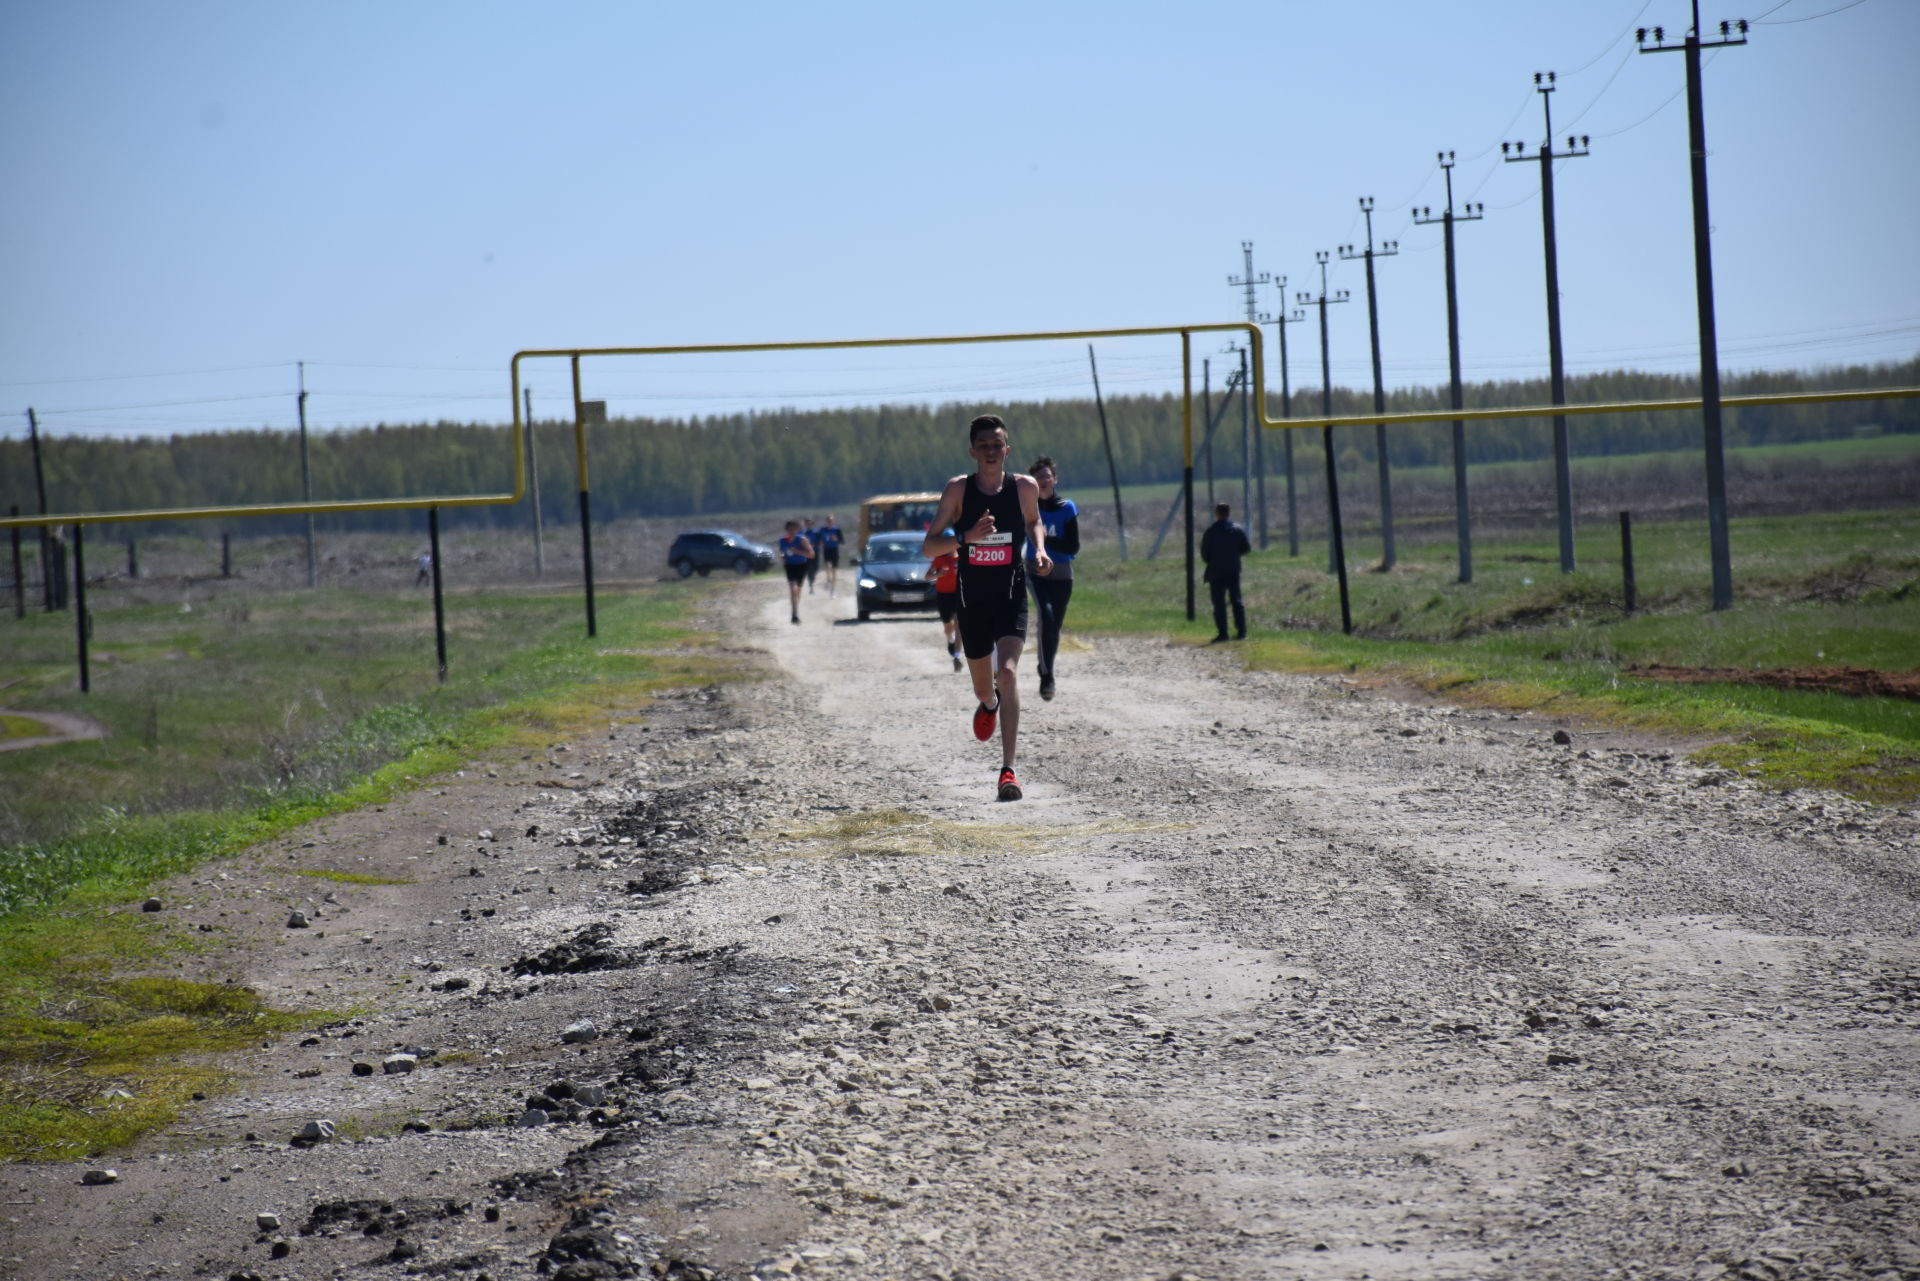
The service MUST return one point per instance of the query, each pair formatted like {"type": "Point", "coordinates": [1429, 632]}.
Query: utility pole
{"type": "Point", "coordinates": [1280, 320]}
{"type": "Point", "coordinates": [1462, 529]}
{"type": "Point", "coordinates": [306, 477]}
{"type": "Point", "coordinates": [1246, 438]}
{"type": "Point", "coordinates": [1246, 425]}
{"type": "Point", "coordinates": [1336, 551]}
{"type": "Point", "coordinates": [1387, 250]}
{"type": "Point", "coordinates": [1703, 291]}
{"type": "Point", "coordinates": [533, 482]}
{"type": "Point", "coordinates": [40, 490]}
{"type": "Point", "coordinates": [1556, 365]}
{"type": "Point", "coordinates": [1258, 465]}
{"type": "Point", "coordinates": [1206, 415]}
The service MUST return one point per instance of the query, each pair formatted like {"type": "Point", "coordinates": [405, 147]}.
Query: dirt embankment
{"type": "Point", "coordinates": [1862, 682]}
{"type": "Point", "coordinates": [1268, 977]}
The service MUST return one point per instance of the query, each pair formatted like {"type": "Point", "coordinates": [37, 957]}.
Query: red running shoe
{"type": "Point", "coordinates": [1009, 785]}
{"type": "Point", "coordinates": [984, 718]}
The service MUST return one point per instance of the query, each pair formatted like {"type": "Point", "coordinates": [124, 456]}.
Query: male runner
{"type": "Point", "coordinates": [827, 543]}
{"type": "Point", "coordinates": [945, 573]}
{"type": "Point", "coordinates": [812, 534]}
{"type": "Point", "coordinates": [988, 510]}
{"type": "Point", "coordinates": [796, 553]}
{"type": "Point", "coordinates": [1051, 593]}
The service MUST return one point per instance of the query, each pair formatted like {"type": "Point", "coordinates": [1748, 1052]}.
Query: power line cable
{"type": "Point", "coordinates": [1506, 130]}
{"type": "Point", "coordinates": [1787, 22]}
{"type": "Point", "coordinates": [1624, 58]}
{"type": "Point", "coordinates": [178, 373]}
{"type": "Point", "coordinates": [159, 404]}
{"type": "Point", "coordinates": [1631, 22]}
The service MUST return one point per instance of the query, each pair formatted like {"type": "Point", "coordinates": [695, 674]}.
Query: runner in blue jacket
{"type": "Point", "coordinates": [1052, 591]}
{"type": "Point", "coordinates": [796, 553]}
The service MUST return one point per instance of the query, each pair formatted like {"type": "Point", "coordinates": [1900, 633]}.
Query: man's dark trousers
{"type": "Point", "coordinates": [1222, 589]}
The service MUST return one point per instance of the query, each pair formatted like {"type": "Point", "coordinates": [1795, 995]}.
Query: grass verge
{"type": "Point", "coordinates": [94, 1048]}
{"type": "Point", "coordinates": [1819, 590]}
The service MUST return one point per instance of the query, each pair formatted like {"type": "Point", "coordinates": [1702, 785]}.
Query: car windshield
{"type": "Point", "coordinates": [892, 551]}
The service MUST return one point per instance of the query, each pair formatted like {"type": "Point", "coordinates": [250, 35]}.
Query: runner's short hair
{"type": "Point", "coordinates": [1044, 460]}
{"type": "Point", "coordinates": [1220, 511]}
{"type": "Point", "coordinates": [985, 422]}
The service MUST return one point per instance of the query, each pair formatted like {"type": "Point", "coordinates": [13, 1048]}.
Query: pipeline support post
{"type": "Point", "coordinates": [80, 619]}
{"type": "Point", "coordinates": [1186, 427]}
{"type": "Point", "coordinates": [1627, 588]}
{"type": "Point", "coordinates": [580, 414]}
{"type": "Point", "coordinates": [439, 610]}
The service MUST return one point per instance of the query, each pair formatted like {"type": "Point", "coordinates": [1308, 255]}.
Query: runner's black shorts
{"type": "Point", "coordinates": [832, 554]}
{"type": "Point", "coordinates": [798, 573]}
{"type": "Point", "coordinates": [949, 604]}
{"type": "Point", "coordinates": [984, 623]}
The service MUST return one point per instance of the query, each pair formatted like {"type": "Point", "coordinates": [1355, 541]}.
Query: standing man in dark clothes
{"type": "Point", "coordinates": [989, 509]}
{"type": "Point", "coordinates": [1052, 591]}
{"type": "Point", "coordinates": [1221, 547]}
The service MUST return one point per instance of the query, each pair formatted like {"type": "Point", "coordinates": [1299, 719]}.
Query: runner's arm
{"type": "Point", "coordinates": [938, 540]}
{"type": "Point", "coordinates": [1029, 491]}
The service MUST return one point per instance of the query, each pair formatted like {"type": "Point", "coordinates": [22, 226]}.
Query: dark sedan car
{"type": "Point", "coordinates": [701, 551]}
{"type": "Point", "coordinates": [893, 575]}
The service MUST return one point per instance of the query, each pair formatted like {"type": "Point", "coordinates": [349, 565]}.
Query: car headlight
{"type": "Point", "coordinates": [867, 584]}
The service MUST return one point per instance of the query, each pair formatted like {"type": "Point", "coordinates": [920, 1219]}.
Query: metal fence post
{"type": "Point", "coordinates": [439, 610]}
{"type": "Point", "coordinates": [1626, 562]}
{"type": "Point", "coordinates": [80, 604]}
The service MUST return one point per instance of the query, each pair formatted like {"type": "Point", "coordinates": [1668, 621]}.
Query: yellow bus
{"type": "Point", "coordinates": [892, 513]}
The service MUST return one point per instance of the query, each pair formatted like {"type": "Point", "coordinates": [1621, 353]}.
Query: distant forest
{"type": "Point", "coordinates": [809, 461]}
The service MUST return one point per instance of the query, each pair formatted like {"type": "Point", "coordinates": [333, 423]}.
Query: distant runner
{"type": "Point", "coordinates": [1052, 591]}
{"type": "Point", "coordinates": [945, 573]}
{"type": "Point", "coordinates": [797, 553]}
{"type": "Point", "coordinates": [827, 543]}
{"type": "Point", "coordinates": [989, 509]}
{"type": "Point", "coordinates": [812, 534]}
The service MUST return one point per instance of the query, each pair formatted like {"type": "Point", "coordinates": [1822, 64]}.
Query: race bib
{"type": "Point", "coordinates": [994, 549]}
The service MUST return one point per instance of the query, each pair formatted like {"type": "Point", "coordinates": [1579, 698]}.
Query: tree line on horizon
{"type": "Point", "coordinates": [817, 460]}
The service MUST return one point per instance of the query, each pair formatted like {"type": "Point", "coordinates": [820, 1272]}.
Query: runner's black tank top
{"type": "Point", "coordinates": [991, 570]}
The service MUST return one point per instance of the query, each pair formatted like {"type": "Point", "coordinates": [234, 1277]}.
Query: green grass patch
{"type": "Point", "coordinates": [904, 834]}
{"type": "Point", "coordinates": [1817, 590]}
{"type": "Point", "coordinates": [91, 1054]}
{"type": "Point", "coordinates": [19, 727]}
{"type": "Point", "coordinates": [350, 878]}
{"type": "Point", "coordinates": [340, 723]}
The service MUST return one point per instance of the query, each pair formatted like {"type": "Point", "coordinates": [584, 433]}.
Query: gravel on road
{"type": "Point", "coordinates": [1269, 976]}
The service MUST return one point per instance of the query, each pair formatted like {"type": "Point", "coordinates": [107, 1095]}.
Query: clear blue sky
{"type": "Point", "coordinates": [200, 194]}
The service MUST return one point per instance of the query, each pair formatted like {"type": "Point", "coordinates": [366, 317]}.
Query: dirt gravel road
{"type": "Point", "coordinates": [1270, 976]}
